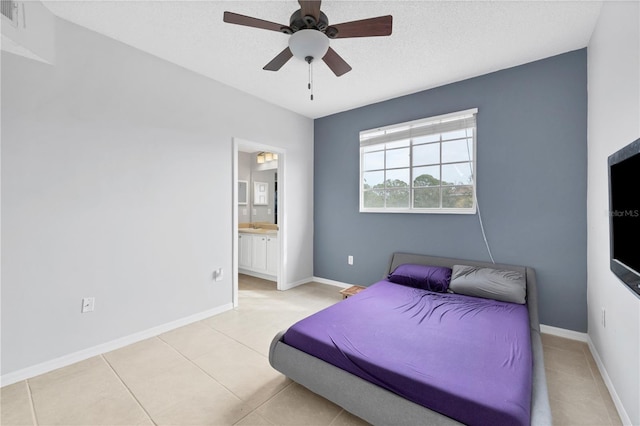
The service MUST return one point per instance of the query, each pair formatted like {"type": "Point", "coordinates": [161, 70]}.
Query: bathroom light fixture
{"type": "Point", "coordinates": [265, 157]}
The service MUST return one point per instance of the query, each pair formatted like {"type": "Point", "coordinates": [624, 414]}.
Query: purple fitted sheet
{"type": "Point", "coordinates": [465, 357]}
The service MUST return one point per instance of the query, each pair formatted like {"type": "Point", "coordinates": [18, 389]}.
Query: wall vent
{"type": "Point", "coordinates": [9, 9]}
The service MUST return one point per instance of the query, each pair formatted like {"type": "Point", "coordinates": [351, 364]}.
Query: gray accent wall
{"type": "Point", "coordinates": [531, 184]}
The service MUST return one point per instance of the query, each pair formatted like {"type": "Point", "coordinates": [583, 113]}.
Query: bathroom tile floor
{"type": "Point", "coordinates": [216, 372]}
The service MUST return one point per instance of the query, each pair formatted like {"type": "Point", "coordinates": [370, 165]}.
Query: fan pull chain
{"type": "Point", "coordinates": [309, 60]}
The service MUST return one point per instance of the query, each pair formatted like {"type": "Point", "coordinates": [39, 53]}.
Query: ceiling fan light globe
{"type": "Point", "coordinates": [305, 43]}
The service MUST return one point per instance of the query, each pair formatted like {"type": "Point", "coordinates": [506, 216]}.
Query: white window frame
{"type": "Point", "coordinates": [10, 7]}
{"type": "Point", "coordinates": [407, 131]}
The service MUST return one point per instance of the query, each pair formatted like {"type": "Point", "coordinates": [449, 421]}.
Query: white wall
{"type": "Point", "coordinates": [117, 184]}
{"type": "Point", "coordinates": [31, 33]}
{"type": "Point", "coordinates": [614, 121]}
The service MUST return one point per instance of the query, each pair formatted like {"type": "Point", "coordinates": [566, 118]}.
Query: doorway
{"type": "Point", "coordinates": [258, 240]}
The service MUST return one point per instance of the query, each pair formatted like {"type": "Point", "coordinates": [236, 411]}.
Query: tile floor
{"type": "Point", "coordinates": [216, 372]}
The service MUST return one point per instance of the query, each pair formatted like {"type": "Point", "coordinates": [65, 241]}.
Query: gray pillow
{"type": "Point", "coordinates": [489, 283]}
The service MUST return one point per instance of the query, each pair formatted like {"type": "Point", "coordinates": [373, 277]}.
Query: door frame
{"type": "Point", "coordinates": [243, 145]}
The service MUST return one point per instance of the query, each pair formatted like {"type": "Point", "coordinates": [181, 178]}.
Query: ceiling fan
{"type": "Point", "coordinates": [310, 34]}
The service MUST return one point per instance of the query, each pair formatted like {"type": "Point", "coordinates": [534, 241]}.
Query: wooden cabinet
{"type": "Point", "coordinates": [258, 255]}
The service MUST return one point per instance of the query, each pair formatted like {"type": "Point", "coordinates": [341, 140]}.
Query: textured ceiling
{"type": "Point", "coordinates": [433, 43]}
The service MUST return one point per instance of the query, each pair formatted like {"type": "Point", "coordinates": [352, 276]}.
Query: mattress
{"type": "Point", "coordinates": [464, 357]}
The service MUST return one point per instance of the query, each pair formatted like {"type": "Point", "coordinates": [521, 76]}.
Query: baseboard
{"type": "Point", "coordinates": [624, 417]}
{"type": "Point", "coordinates": [563, 332]}
{"type": "Point", "coordinates": [289, 286]}
{"type": "Point", "coordinates": [331, 282]}
{"type": "Point", "coordinates": [63, 361]}
{"type": "Point", "coordinates": [258, 274]}
{"type": "Point", "coordinates": [584, 337]}
{"type": "Point", "coordinates": [317, 280]}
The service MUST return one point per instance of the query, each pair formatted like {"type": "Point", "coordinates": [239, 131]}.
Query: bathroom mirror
{"type": "Point", "coordinates": [264, 210]}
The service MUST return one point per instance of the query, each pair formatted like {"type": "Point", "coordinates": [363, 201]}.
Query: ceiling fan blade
{"type": "Point", "coordinates": [372, 27]}
{"type": "Point", "coordinates": [336, 63]}
{"type": "Point", "coordinates": [277, 62]}
{"type": "Point", "coordinates": [310, 8]}
{"type": "Point", "coordinates": [248, 21]}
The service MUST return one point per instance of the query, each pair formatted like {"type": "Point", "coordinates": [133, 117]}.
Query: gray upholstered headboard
{"type": "Point", "coordinates": [398, 259]}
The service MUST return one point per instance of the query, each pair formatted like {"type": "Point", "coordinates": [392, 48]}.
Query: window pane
{"type": "Point", "coordinates": [373, 180]}
{"type": "Point", "coordinates": [456, 174]}
{"type": "Point", "coordinates": [373, 199]}
{"type": "Point", "coordinates": [397, 158]}
{"type": "Point", "coordinates": [457, 134]}
{"type": "Point", "coordinates": [457, 151]}
{"type": "Point", "coordinates": [372, 148]}
{"type": "Point", "coordinates": [398, 144]}
{"type": "Point", "coordinates": [423, 173]}
{"type": "Point", "coordinates": [426, 154]}
{"type": "Point", "coordinates": [457, 197]}
{"type": "Point", "coordinates": [426, 176]}
{"type": "Point", "coordinates": [373, 160]}
{"type": "Point", "coordinates": [426, 198]}
{"type": "Point", "coordinates": [426, 139]}
{"type": "Point", "coordinates": [397, 178]}
{"type": "Point", "coordinates": [398, 198]}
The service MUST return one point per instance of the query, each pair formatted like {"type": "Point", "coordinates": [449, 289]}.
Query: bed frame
{"type": "Point", "coordinates": [379, 406]}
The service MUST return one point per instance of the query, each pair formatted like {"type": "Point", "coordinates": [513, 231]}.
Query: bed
{"type": "Point", "coordinates": [470, 360]}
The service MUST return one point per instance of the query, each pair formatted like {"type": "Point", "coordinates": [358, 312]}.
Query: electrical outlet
{"type": "Point", "coordinates": [604, 318]}
{"type": "Point", "coordinates": [350, 260]}
{"type": "Point", "coordinates": [88, 304]}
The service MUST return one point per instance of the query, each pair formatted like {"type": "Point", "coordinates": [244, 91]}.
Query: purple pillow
{"type": "Point", "coordinates": [432, 278]}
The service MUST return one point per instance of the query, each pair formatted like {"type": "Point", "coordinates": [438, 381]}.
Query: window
{"type": "Point", "coordinates": [423, 166]}
{"type": "Point", "coordinates": [9, 9]}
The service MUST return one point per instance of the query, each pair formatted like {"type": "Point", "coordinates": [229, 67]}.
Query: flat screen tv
{"type": "Point", "coordinates": [624, 214]}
